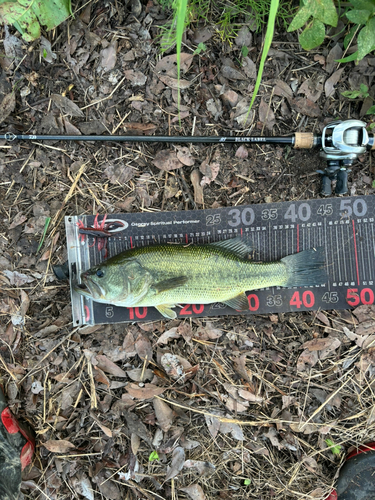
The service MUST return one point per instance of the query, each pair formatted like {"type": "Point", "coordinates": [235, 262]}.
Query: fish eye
{"type": "Point", "coordinates": [100, 273]}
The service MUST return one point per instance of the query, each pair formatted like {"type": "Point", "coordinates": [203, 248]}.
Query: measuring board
{"type": "Point", "coordinates": [344, 226]}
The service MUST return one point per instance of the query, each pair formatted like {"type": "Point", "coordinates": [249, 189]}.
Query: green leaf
{"type": "Point", "coordinates": [328, 13]}
{"type": "Point", "coordinates": [247, 482]}
{"type": "Point", "coordinates": [358, 16]}
{"type": "Point", "coordinates": [366, 39]}
{"type": "Point", "coordinates": [45, 53]}
{"type": "Point", "coordinates": [363, 5]}
{"type": "Point", "coordinates": [28, 15]}
{"type": "Point", "coordinates": [373, 184]}
{"type": "Point", "coordinates": [364, 90]}
{"type": "Point", "coordinates": [352, 57]}
{"type": "Point", "coordinates": [300, 19]}
{"type": "Point", "coordinates": [351, 94]}
{"type": "Point", "coordinates": [244, 51]}
{"type": "Point", "coordinates": [336, 449]}
{"type": "Point", "coordinates": [46, 224]}
{"type": "Point", "coordinates": [371, 111]}
{"type": "Point", "coordinates": [201, 47]}
{"type": "Point", "coordinates": [313, 35]}
{"type": "Point", "coordinates": [153, 456]}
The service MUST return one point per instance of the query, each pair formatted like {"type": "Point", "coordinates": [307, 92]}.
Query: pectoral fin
{"type": "Point", "coordinates": [170, 283]}
{"type": "Point", "coordinates": [240, 302]}
{"type": "Point", "coordinates": [167, 311]}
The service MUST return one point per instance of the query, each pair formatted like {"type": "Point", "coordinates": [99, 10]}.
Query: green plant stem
{"type": "Point", "coordinates": [266, 47]}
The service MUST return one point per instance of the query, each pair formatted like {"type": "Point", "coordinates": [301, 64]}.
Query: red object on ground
{"type": "Point", "coordinates": [356, 475]}
{"type": "Point", "coordinates": [13, 427]}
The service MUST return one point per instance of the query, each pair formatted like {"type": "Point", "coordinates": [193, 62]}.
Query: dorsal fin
{"type": "Point", "coordinates": [241, 248]}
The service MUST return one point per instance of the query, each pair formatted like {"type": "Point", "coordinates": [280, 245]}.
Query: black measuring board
{"type": "Point", "coordinates": [344, 226]}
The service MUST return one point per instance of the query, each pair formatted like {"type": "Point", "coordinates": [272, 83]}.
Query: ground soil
{"type": "Point", "coordinates": [249, 406]}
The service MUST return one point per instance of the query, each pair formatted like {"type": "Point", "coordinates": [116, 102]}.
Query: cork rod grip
{"type": "Point", "coordinates": [303, 140]}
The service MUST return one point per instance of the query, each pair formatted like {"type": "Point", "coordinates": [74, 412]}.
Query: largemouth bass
{"type": "Point", "coordinates": [163, 276]}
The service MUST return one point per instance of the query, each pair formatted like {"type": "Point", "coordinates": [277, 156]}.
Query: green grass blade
{"type": "Point", "coordinates": [267, 44]}
{"type": "Point", "coordinates": [181, 8]}
{"type": "Point", "coordinates": [46, 225]}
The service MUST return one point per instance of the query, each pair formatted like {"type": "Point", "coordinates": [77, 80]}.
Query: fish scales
{"type": "Point", "coordinates": [213, 275]}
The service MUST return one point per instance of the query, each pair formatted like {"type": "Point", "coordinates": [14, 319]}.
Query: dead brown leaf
{"type": "Point", "coordinates": [364, 313]}
{"type": "Point", "coordinates": [146, 392]}
{"type": "Point", "coordinates": [166, 159]}
{"type": "Point", "coordinates": [174, 83]}
{"type": "Point", "coordinates": [233, 429]}
{"type": "Point", "coordinates": [312, 88]}
{"type": "Point", "coordinates": [167, 66]}
{"type": "Point", "coordinates": [58, 446]}
{"type": "Point", "coordinates": [164, 414]}
{"type": "Point", "coordinates": [194, 491]}
{"type": "Point", "coordinates": [100, 376]}
{"type": "Point", "coordinates": [330, 85]}
{"type": "Point", "coordinates": [173, 333]}
{"type": "Point", "coordinates": [140, 375]}
{"type": "Point", "coordinates": [140, 128]}
{"type": "Point", "coordinates": [305, 107]}
{"type": "Point", "coordinates": [129, 345]}
{"type": "Point", "coordinates": [108, 366]}
{"type": "Point", "coordinates": [108, 57]}
{"type": "Point", "coordinates": [136, 78]}
{"type": "Point", "coordinates": [203, 468]}
{"type": "Point", "coordinates": [195, 178]}
{"type": "Point", "coordinates": [19, 218]}
{"type": "Point", "coordinates": [178, 460]}
{"type": "Point", "coordinates": [307, 360]}
{"type": "Point", "coordinates": [242, 152]}
{"type": "Point", "coordinates": [282, 89]}
{"type": "Point", "coordinates": [7, 106]}
{"type": "Point", "coordinates": [209, 171]}
{"type": "Point", "coordinates": [266, 115]}
{"type": "Point", "coordinates": [66, 106]}
{"type": "Point", "coordinates": [119, 174]}
{"type": "Point", "coordinates": [249, 396]}
{"type": "Point", "coordinates": [334, 54]}
{"type": "Point", "coordinates": [143, 347]}
{"type": "Point", "coordinates": [82, 486]}
{"type": "Point", "coordinates": [320, 344]}
{"type": "Point", "coordinates": [136, 426]}
{"type": "Point", "coordinates": [18, 279]}
{"type": "Point", "coordinates": [184, 155]}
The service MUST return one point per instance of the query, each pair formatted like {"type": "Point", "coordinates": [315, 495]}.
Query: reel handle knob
{"type": "Point", "coordinates": [342, 182]}
{"type": "Point", "coordinates": [326, 186]}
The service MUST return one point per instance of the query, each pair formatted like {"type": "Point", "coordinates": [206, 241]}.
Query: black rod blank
{"type": "Point", "coordinates": [153, 138]}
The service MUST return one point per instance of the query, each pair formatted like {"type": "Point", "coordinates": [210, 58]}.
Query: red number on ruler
{"type": "Point", "coordinates": [370, 296]}
{"type": "Point", "coordinates": [253, 302]}
{"type": "Point", "coordinates": [353, 298]}
{"type": "Point", "coordinates": [308, 299]}
{"type": "Point", "coordinates": [138, 313]}
{"type": "Point", "coordinates": [196, 308]}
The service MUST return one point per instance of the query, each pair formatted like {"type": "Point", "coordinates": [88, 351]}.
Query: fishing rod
{"type": "Point", "coordinates": [341, 143]}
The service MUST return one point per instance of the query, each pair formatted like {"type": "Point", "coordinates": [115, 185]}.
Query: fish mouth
{"type": "Point", "coordinates": [88, 288]}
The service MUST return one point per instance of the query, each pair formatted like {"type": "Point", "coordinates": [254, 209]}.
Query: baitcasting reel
{"type": "Point", "coordinates": [342, 143]}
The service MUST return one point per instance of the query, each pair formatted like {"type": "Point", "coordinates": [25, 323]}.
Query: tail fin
{"type": "Point", "coordinates": [306, 268]}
